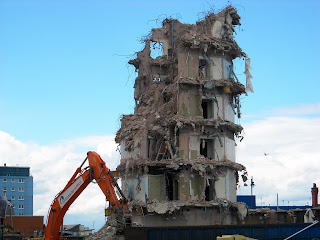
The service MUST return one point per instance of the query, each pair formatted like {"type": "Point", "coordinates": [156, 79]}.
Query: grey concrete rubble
{"type": "Point", "coordinates": [178, 147]}
{"type": "Point", "coordinates": [108, 232]}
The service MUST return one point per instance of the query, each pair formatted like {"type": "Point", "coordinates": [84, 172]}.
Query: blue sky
{"type": "Point", "coordinates": [65, 81]}
{"type": "Point", "coordinates": [64, 70]}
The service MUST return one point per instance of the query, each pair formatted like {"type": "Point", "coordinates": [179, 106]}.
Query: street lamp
{"type": "Point", "coordinates": [251, 185]}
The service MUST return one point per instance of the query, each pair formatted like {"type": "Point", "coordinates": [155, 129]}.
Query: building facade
{"type": "Point", "coordinates": [77, 230]}
{"type": "Point", "coordinates": [16, 184]}
{"type": "Point", "coordinates": [178, 148]}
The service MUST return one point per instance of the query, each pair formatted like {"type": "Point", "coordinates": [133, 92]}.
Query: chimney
{"type": "Point", "coordinates": [314, 192]}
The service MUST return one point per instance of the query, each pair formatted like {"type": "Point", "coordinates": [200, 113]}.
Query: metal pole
{"type": "Point", "coordinates": [312, 224]}
{"type": "Point", "coordinates": [116, 184]}
{"type": "Point", "coordinates": [251, 192]}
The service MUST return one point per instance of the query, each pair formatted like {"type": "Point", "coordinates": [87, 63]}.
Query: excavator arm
{"type": "Point", "coordinates": [96, 171]}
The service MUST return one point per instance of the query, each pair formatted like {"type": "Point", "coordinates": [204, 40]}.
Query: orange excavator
{"type": "Point", "coordinates": [96, 171]}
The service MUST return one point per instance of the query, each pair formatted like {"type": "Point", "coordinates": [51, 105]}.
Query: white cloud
{"type": "Point", "coordinates": [300, 110]}
{"type": "Point", "coordinates": [52, 166]}
{"type": "Point", "coordinates": [291, 165]}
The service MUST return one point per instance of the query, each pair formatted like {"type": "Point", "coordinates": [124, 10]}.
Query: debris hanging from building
{"type": "Point", "coordinates": [178, 148]}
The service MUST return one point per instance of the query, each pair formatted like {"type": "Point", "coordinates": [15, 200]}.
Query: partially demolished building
{"type": "Point", "coordinates": [178, 148]}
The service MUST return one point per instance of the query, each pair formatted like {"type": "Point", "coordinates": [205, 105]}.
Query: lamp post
{"type": "Point", "coordinates": [251, 185]}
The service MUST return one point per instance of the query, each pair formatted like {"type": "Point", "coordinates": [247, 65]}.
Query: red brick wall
{"type": "Point", "coordinates": [26, 224]}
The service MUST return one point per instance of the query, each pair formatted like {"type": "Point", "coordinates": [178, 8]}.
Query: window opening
{"type": "Point", "coordinates": [213, 98]}
{"type": "Point", "coordinates": [172, 185]}
{"type": "Point", "coordinates": [207, 108]}
{"type": "Point", "coordinates": [155, 49]}
{"type": "Point", "coordinates": [207, 148]}
{"type": "Point", "coordinates": [165, 151]}
{"type": "Point", "coordinates": [210, 191]}
{"type": "Point", "coordinates": [203, 69]}
{"type": "Point", "coordinates": [204, 106]}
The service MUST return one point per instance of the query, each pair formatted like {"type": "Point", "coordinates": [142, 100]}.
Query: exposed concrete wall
{"type": "Point", "coordinates": [135, 186]}
{"type": "Point", "coordinates": [229, 149]}
{"type": "Point", "coordinates": [184, 185]}
{"type": "Point", "coordinates": [220, 186]}
{"type": "Point", "coordinates": [188, 216]}
{"type": "Point", "coordinates": [194, 146]}
{"type": "Point", "coordinates": [157, 187]}
{"type": "Point", "coordinates": [228, 110]}
{"type": "Point", "coordinates": [193, 63]}
{"type": "Point", "coordinates": [128, 154]}
{"type": "Point", "coordinates": [183, 145]}
{"type": "Point", "coordinates": [226, 186]}
{"type": "Point", "coordinates": [197, 184]}
{"type": "Point", "coordinates": [216, 68]}
{"type": "Point", "coordinates": [219, 107]}
{"type": "Point", "coordinates": [232, 188]}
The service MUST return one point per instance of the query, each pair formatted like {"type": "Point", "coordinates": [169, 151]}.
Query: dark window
{"type": "Point", "coordinates": [207, 108]}
{"type": "Point", "coordinates": [204, 148]}
{"type": "Point", "coordinates": [172, 187]}
{"type": "Point", "coordinates": [209, 192]}
{"type": "Point", "coordinates": [207, 148]}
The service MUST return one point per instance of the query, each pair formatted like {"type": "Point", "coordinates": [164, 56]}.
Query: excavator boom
{"type": "Point", "coordinates": [96, 171]}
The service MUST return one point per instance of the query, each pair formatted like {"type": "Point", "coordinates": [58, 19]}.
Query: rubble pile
{"type": "Point", "coordinates": [108, 232]}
